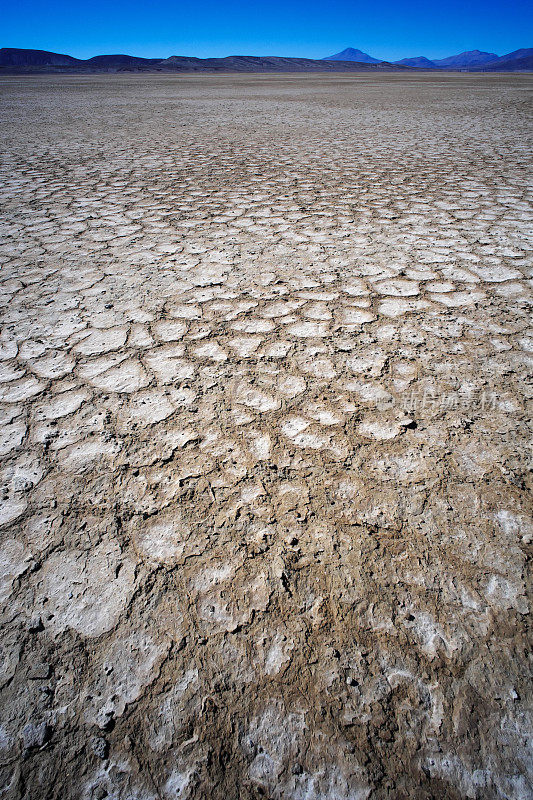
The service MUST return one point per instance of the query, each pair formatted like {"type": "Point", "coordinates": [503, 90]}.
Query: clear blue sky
{"type": "Point", "coordinates": [389, 29]}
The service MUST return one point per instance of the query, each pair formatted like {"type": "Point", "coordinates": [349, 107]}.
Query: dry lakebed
{"type": "Point", "coordinates": [265, 366]}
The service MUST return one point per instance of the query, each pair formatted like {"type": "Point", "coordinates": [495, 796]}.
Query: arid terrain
{"type": "Point", "coordinates": [265, 523]}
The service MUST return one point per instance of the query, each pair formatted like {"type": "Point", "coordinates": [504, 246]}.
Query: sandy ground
{"type": "Point", "coordinates": [263, 391]}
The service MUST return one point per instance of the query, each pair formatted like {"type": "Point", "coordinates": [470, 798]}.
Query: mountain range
{"type": "Point", "coordinates": [21, 61]}
{"type": "Point", "coordinates": [15, 62]}
{"type": "Point", "coordinates": [471, 60]}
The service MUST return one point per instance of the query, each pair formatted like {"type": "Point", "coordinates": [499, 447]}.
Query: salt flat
{"type": "Point", "coordinates": [265, 349]}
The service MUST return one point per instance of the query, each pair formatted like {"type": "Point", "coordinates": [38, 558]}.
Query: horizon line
{"type": "Point", "coordinates": [242, 55]}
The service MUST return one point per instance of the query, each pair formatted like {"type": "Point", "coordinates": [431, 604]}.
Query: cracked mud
{"type": "Point", "coordinates": [264, 360]}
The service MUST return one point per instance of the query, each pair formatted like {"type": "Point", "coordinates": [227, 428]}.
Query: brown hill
{"type": "Point", "coordinates": [15, 61]}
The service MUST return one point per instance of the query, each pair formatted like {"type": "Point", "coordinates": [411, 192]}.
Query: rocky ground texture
{"type": "Point", "coordinates": [264, 524]}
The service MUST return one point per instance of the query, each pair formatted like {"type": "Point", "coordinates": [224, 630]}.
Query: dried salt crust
{"type": "Point", "coordinates": [263, 527]}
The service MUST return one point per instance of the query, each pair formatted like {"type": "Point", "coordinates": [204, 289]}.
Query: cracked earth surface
{"type": "Point", "coordinates": [264, 524]}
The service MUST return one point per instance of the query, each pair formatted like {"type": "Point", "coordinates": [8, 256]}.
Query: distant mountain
{"type": "Point", "coordinates": [476, 61]}
{"type": "Point", "coordinates": [525, 52]}
{"type": "Point", "coordinates": [421, 62]}
{"type": "Point", "coordinates": [517, 61]}
{"type": "Point", "coordinates": [14, 57]}
{"type": "Point", "coordinates": [470, 58]}
{"type": "Point", "coordinates": [112, 62]}
{"type": "Point", "coordinates": [271, 64]}
{"type": "Point", "coordinates": [14, 61]}
{"type": "Point", "coordinates": [352, 54]}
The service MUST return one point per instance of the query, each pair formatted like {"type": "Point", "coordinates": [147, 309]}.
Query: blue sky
{"type": "Point", "coordinates": [389, 29]}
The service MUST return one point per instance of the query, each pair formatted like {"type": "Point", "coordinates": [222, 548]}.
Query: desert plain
{"type": "Point", "coordinates": [265, 367]}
